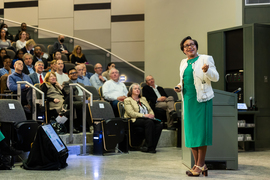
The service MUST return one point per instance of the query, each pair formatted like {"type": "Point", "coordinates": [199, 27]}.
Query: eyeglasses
{"type": "Point", "coordinates": [98, 68]}
{"type": "Point", "coordinates": [72, 73]}
{"type": "Point", "coordinates": [187, 45]}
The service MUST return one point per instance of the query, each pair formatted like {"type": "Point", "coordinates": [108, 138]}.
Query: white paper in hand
{"type": "Point", "coordinates": [61, 120]}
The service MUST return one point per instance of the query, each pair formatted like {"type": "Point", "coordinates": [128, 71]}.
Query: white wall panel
{"type": "Point", "coordinates": [27, 15]}
{"type": "Point", "coordinates": [61, 26]}
{"type": "Point", "coordinates": [100, 37]}
{"type": "Point", "coordinates": [92, 19]}
{"type": "Point", "coordinates": [127, 31]}
{"type": "Point", "coordinates": [18, 0]}
{"type": "Point", "coordinates": [1, 4]}
{"type": "Point", "coordinates": [120, 7]}
{"type": "Point", "coordinates": [55, 8]}
{"type": "Point", "coordinates": [90, 1]}
{"type": "Point", "coordinates": [129, 51]}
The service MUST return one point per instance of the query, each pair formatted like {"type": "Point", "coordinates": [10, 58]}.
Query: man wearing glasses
{"type": "Point", "coordinates": [81, 78]}
{"type": "Point", "coordinates": [97, 79]}
{"type": "Point", "coordinates": [38, 76]}
{"type": "Point", "coordinates": [77, 100]}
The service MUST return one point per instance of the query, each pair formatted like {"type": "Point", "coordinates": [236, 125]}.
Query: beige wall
{"type": "Point", "coordinates": [168, 22]}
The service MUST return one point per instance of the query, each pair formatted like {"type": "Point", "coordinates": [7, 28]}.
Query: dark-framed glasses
{"type": "Point", "coordinates": [187, 45]}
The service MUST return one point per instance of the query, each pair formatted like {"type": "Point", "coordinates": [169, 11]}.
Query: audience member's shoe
{"type": "Point", "coordinates": [27, 108]}
{"type": "Point", "coordinates": [173, 114]}
{"type": "Point", "coordinates": [76, 131]}
{"type": "Point", "coordinates": [10, 151]}
{"type": "Point", "coordinates": [172, 128]}
{"type": "Point", "coordinates": [146, 150]}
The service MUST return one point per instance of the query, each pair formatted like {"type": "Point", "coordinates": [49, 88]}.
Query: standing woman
{"type": "Point", "coordinates": [196, 74]}
{"type": "Point", "coordinates": [77, 56]}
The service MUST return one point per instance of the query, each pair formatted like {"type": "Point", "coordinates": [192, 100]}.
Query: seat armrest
{"type": "Point", "coordinates": [98, 119]}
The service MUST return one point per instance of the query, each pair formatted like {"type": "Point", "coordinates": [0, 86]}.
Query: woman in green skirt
{"type": "Point", "coordinates": [196, 74]}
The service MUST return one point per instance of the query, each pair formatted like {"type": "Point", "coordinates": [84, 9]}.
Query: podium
{"type": "Point", "coordinates": [225, 133]}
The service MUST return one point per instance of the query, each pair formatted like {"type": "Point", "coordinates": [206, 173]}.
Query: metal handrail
{"type": "Point", "coordinates": [83, 113]}
{"type": "Point", "coordinates": [34, 100]}
{"type": "Point", "coordinates": [71, 37]}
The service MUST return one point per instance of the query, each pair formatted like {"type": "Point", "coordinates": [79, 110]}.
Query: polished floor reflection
{"type": "Point", "coordinates": [165, 164]}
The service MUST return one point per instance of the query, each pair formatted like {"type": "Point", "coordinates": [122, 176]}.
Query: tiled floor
{"type": "Point", "coordinates": [165, 164]}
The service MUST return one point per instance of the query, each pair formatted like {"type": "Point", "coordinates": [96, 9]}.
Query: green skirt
{"type": "Point", "coordinates": [1, 136]}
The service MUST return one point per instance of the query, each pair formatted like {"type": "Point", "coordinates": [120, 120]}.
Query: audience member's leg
{"type": "Point", "coordinates": [149, 130]}
{"type": "Point", "coordinates": [115, 108]}
{"type": "Point", "coordinates": [158, 130]}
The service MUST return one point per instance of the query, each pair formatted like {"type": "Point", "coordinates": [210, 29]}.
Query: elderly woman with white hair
{"type": "Point", "coordinates": [141, 114]}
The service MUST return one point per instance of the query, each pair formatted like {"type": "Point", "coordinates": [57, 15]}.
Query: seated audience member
{"type": "Point", "coordinates": [28, 48]}
{"type": "Point", "coordinates": [56, 96]}
{"type": "Point", "coordinates": [38, 57]}
{"type": "Point", "coordinates": [8, 35]}
{"type": "Point", "coordinates": [3, 52]}
{"type": "Point", "coordinates": [18, 56]}
{"type": "Point", "coordinates": [77, 56]}
{"type": "Point", "coordinates": [159, 99]}
{"type": "Point", "coordinates": [6, 70]}
{"type": "Point", "coordinates": [23, 28]}
{"type": "Point", "coordinates": [81, 78]}
{"type": "Point", "coordinates": [61, 77]}
{"type": "Point", "coordinates": [85, 73]}
{"type": "Point", "coordinates": [53, 66]}
{"type": "Point", "coordinates": [109, 67]}
{"type": "Point", "coordinates": [28, 66]}
{"type": "Point", "coordinates": [77, 92]}
{"type": "Point", "coordinates": [4, 42]}
{"type": "Point", "coordinates": [26, 91]}
{"type": "Point", "coordinates": [6, 149]}
{"type": "Point", "coordinates": [22, 41]}
{"type": "Point", "coordinates": [97, 79]}
{"type": "Point", "coordinates": [57, 55]}
{"type": "Point", "coordinates": [38, 76]}
{"type": "Point", "coordinates": [114, 90]}
{"type": "Point", "coordinates": [60, 46]}
{"type": "Point", "coordinates": [141, 114]}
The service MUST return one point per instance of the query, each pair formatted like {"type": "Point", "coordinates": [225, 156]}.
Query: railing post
{"type": "Point", "coordinates": [71, 115]}
{"type": "Point", "coordinates": [19, 92]}
{"type": "Point", "coordinates": [34, 105]}
{"type": "Point", "coordinates": [84, 123]}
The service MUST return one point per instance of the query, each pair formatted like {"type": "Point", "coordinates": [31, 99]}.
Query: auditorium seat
{"type": "Point", "coordinates": [11, 53]}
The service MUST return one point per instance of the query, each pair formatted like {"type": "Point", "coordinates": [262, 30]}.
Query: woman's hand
{"type": "Point", "coordinates": [57, 84]}
{"type": "Point", "coordinates": [178, 90]}
{"type": "Point", "coordinates": [150, 116]}
{"type": "Point", "coordinates": [56, 101]}
{"type": "Point", "coordinates": [205, 68]}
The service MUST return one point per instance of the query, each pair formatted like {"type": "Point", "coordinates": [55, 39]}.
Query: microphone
{"type": "Point", "coordinates": [237, 90]}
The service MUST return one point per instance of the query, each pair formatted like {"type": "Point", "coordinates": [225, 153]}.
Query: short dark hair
{"type": "Point", "coordinates": [71, 70]}
{"type": "Point", "coordinates": [185, 39]}
{"type": "Point", "coordinates": [109, 65]}
{"type": "Point", "coordinates": [6, 57]}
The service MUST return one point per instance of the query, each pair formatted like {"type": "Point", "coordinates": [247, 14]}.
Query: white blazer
{"type": "Point", "coordinates": [202, 81]}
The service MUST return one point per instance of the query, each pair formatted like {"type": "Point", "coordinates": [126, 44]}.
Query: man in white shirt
{"type": "Point", "coordinates": [97, 79]}
{"type": "Point", "coordinates": [39, 75]}
{"type": "Point", "coordinates": [114, 90]}
{"type": "Point", "coordinates": [60, 76]}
